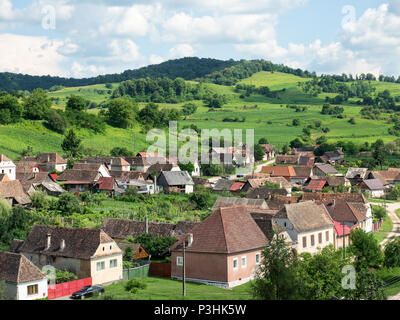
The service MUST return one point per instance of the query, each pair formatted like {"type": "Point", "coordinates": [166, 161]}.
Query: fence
{"type": "Point", "coordinates": [68, 288]}
{"type": "Point", "coordinates": [160, 269]}
{"type": "Point", "coordinates": [139, 272]}
{"type": "Point", "coordinates": [377, 225]}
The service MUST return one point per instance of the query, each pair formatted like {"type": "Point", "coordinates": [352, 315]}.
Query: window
{"type": "Point", "coordinates": [113, 263]}
{"type": "Point", "coordinates": [33, 290]}
{"type": "Point", "coordinates": [327, 236]}
{"type": "Point", "coordinates": [110, 247]}
{"type": "Point", "coordinates": [179, 261]}
{"type": "Point", "coordinates": [244, 262]}
{"type": "Point", "coordinates": [100, 265]}
{"type": "Point", "coordinates": [304, 242]}
{"type": "Point", "coordinates": [320, 237]}
{"type": "Point", "coordinates": [312, 240]}
{"type": "Point", "coordinates": [235, 263]}
{"type": "Point", "coordinates": [258, 258]}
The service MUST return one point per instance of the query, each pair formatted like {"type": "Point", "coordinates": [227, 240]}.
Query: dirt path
{"type": "Point", "coordinates": [391, 210]}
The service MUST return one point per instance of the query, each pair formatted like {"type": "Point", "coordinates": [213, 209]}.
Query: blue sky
{"type": "Point", "coordinates": [92, 37]}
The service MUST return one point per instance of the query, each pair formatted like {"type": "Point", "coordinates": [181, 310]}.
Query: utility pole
{"type": "Point", "coordinates": [344, 243]}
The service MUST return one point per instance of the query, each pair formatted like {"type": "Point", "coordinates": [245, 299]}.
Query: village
{"type": "Point", "coordinates": [298, 196]}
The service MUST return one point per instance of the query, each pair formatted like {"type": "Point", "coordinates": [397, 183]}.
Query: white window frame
{"type": "Point", "coordinates": [237, 263]}
{"type": "Point", "coordinates": [245, 261]}
{"type": "Point", "coordinates": [102, 265]}
{"type": "Point", "coordinates": [259, 258]}
{"type": "Point", "coordinates": [179, 258]}
{"type": "Point", "coordinates": [113, 263]}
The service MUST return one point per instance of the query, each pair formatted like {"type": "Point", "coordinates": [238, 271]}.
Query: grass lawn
{"type": "Point", "coordinates": [386, 227]}
{"type": "Point", "coordinates": [167, 289]}
{"type": "Point", "coordinates": [386, 274]}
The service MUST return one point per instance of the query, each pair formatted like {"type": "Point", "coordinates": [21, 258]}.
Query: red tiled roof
{"type": "Point", "coordinates": [236, 186]}
{"type": "Point", "coordinates": [339, 229]}
{"type": "Point", "coordinates": [54, 176]}
{"type": "Point", "coordinates": [278, 171]}
{"type": "Point", "coordinates": [106, 183]}
{"type": "Point", "coordinates": [227, 230]}
{"type": "Point", "coordinates": [316, 185]}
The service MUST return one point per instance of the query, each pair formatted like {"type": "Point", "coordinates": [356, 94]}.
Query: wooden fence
{"type": "Point", "coordinates": [158, 269]}
{"type": "Point", "coordinates": [138, 272]}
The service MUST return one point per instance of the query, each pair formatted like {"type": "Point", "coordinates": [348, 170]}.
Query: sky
{"type": "Point", "coordinates": [84, 38]}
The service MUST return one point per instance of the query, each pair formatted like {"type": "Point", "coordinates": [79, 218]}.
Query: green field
{"type": "Point", "coordinates": [269, 117]}
{"type": "Point", "coordinates": [166, 289]}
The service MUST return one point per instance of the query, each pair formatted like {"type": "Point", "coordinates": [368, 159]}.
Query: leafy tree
{"type": "Point", "coordinates": [65, 276]}
{"type": "Point", "coordinates": [296, 143]}
{"type": "Point", "coordinates": [10, 109]}
{"type": "Point", "coordinates": [40, 200]}
{"type": "Point", "coordinates": [378, 212]}
{"type": "Point", "coordinates": [201, 197]}
{"type": "Point", "coordinates": [188, 109]}
{"type": "Point", "coordinates": [189, 167]}
{"type": "Point", "coordinates": [295, 122]}
{"type": "Point", "coordinates": [212, 170]}
{"type": "Point", "coordinates": [276, 276]}
{"type": "Point", "coordinates": [285, 149]}
{"type": "Point", "coordinates": [321, 274]}
{"type": "Point", "coordinates": [368, 287]}
{"type": "Point", "coordinates": [366, 249]}
{"type": "Point", "coordinates": [56, 121]}
{"type": "Point", "coordinates": [37, 105]}
{"type": "Point", "coordinates": [76, 103]}
{"type": "Point", "coordinates": [71, 144]}
{"type": "Point", "coordinates": [120, 152]}
{"type": "Point", "coordinates": [215, 100]}
{"type": "Point", "coordinates": [156, 246]}
{"type": "Point", "coordinates": [263, 141]}
{"type": "Point", "coordinates": [129, 254]}
{"type": "Point", "coordinates": [258, 152]}
{"type": "Point", "coordinates": [392, 254]}
{"type": "Point", "coordinates": [378, 152]}
{"type": "Point", "coordinates": [121, 112]}
{"type": "Point", "coordinates": [68, 204]}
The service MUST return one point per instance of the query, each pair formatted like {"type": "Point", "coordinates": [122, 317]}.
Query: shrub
{"type": "Point", "coordinates": [134, 285]}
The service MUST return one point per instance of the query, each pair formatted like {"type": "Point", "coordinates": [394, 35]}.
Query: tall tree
{"type": "Point", "coordinates": [76, 103]}
{"type": "Point", "coordinates": [37, 105]}
{"type": "Point", "coordinates": [71, 144]}
{"type": "Point", "coordinates": [379, 152]}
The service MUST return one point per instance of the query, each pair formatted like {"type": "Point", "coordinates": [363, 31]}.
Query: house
{"type": "Point", "coordinates": [176, 181]}
{"type": "Point", "coordinates": [24, 281]}
{"type": "Point", "coordinates": [223, 185]}
{"type": "Point", "coordinates": [224, 250]}
{"type": "Point", "coordinates": [107, 185]}
{"type": "Point", "coordinates": [231, 201]}
{"type": "Point", "coordinates": [265, 193]}
{"type": "Point", "coordinates": [287, 159]}
{"type": "Point", "coordinates": [276, 171]}
{"type": "Point", "coordinates": [237, 187]}
{"type": "Point", "coordinates": [99, 167]}
{"type": "Point", "coordinates": [40, 181]}
{"type": "Point", "coordinates": [306, 161]}
{"type": "Point", "coordinates": [389, 178]}
{"type": "Point", "coordinates": [307, 224]}
{"type": "Point", "coordinates": [352, 214]}
{"type": "Point", "coordinates": [158, 167]}
{"type": "Point", "coordinates": [77, 181]}
{"type": "Point", "coordinates": [231, 156]}
{"type": "Point", "coordinates": [13, 192]}
{"type": "Point", "coordinates": [254, 184]}
{"type": "Point", "coordinates": [373, 187]}
{"type": "Point", "coordinates": [323, 170]}
{"type": "Point", "coordinates": [139, 164]}
{"type": "Point", "coordinates": [7, 167]}
{"type": "Point", "coordinates": [315, 185]}
{"type": "Point", "coordinates": [332, 156]}
{"type": "Point", "coordinates": [356, 175]}
{"type": "Point", "coordinates": [269, 151]}
{"type": "Point", "coordinates": [335, 182]}
{"type": "Point", "coordinates": [120, 229]}
{"type": "Point", "coordinates": [48, 161]}
{"type": "Point", "coordinates": [84, 252]}
{"type": "Point", "coordinates": [111, 163]}
{"type": "Point", "coordinates": [342, 235]}
{"type": "Point", "coordinates": [302, 175]}
{"type": "Point", "coordinates": [26, 168]}
{"type": "Point", "coordinates": [277, 202]}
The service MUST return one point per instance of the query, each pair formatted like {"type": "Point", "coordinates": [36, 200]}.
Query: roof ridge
{"type": "Point", "coordinates": [223, 229]}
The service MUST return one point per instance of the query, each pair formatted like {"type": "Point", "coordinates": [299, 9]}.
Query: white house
{"type": "Point", "coordinates": [307, 224]}
{"type": "Point", "coordinates": [24, 281]}
{"type": "Point", "coordinates": [176, 181]}
{"type": "Point", "coordinates": [7, 167]}
{"type": "Point", "coordinates": [373, 187]}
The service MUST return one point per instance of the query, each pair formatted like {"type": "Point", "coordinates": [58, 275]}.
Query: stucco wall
{"type": "Point", "coordinates": [241, 272]}
{"type": "Point", "coordinates": [108, 274]}
{"type": "Point", "coordinates": [23, 290]}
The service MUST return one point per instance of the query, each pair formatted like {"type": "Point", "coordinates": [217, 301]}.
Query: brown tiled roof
{"type": "Point", "coordinates": [223, 185]}
{"type": "Point", "coordinates": [23, 167]}
{"type": "Point", "coordinates": [326, 168]}
{"type": "Point", "coordinates": [105, 183]}
{"type": "Point", "coordinates": [128, 175]}
{"type": "Point", "coordinates": [231, 201]}
{"type": "Point", "coordinates": [4, 177]}
{"type": "Point", "coordinates": [13, 190]}
{"type": "Point", "coordinates": [50, 158]}
{"type": "Point", "coordinates": [256, 183]}
{"type": "Point", "coordinates": [4, 158]}
{"type": "Point", "coordinates": [302, 172]}
{"type": "Point", "coordinates": [305, 216]}
{"type": "Point", "coordinates": [278, 202]}
{"type": "Point", "coordinates": [80, 243]}
{"type": "Point", "coordinates": [373, 184]}
{"type": "Point", "coordinates": [87, 166]}
{"type": "Point", "coordinates": [158, 167]}
{"type": "Point", "coordinates": [15, 245]}
{"type": "Point", "coordinates": [316, 185]}
{"type": "Point", "coordinates": [329, 197]}
{"type": "Point", "coordinates": [227, 230]}
{"type": "Point", "coordinates": [16, 268]}
{"type": "Point", "coordinates": [286, 159]}
{"type": "Point", "coordinates": [278, 171]}
{"type": "Point", "coordinates": [343, 211]}
{"type": "Point", "coordinates": [267, 147]}
{"type": "Point", "coordinates": [78, 176]}
{"type": "Point", "coordinates": [122, 228]}
{"type": "Point", "coordinates": [264, 193]}
{"type": "Point", "coordinates": [335, 181]}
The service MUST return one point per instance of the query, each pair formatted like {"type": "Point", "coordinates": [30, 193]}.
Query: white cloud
{"type": "Point", "coordinates": [155, 59]}
{"type": "Point", "coordinates": [181, 51]}
{"type": "Point", "coordinates": [124, 50]}
{"type": "Point", "coordinates": [6, 12]}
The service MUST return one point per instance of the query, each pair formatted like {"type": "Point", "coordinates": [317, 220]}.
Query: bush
{"type": "Point", "coordinates": [56, 122]}
{"type": "Point", "coordinates": [134, 285]}
{"type": "Point", "coordinates": [40, 200]}
{"type": "Point", "coordinates": [68, 204]}
{"type": "Point", "coordinates": [392, 254]}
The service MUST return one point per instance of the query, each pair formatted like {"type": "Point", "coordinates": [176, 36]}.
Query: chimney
{"type": "Point", "coordinates": [48, 244]}
{"type": "Point", "coordinates": [147, 225]}
{"type": "Point", "coordinates": [48, 158]}
{"type": "Point", "coordinates": [190, 240]}
{"type": "Point", "coordinates": [62, 245]}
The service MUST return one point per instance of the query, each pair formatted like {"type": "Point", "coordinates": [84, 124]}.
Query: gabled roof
{"type": "Point", "coordinates": [335, 181]}
{"type": "Point", "coordinates": [302, 172]}
{"type": "Point", "coordinates": [326, 168]}
{"type": "Point", "coordinates": [373, 184]}
{"type": "Point", "coordinates": [329, 197]}
{"type": "Point", "coordinates": [343, 211]}
{"type": "Point", "coordinates": [80, 243]}
{"type": "Point", "coordinates": [92, 166]}
{"type": "Point", "coordinates": [287, 159]}
{"type": "Point", "coordinates": [223, 185]}
{"type": "Point", "coordinates": [13, 190]}
{"type": "Point", "coordinates": [306, 161]}
{"type": "Point", "coordinates": [231, 201]}
{"type": "Point", "coordinates": [26, 167]}
{"type": "Point", "coordinates": [158, 167]}
{"type": "Point", "coordinates": [264, 193]}
{"type": "Point", "coordinates": [353, 173]}
{"type": "Point", "coordinates": [177, 178]}
{"type": "Point", "coordinates": [267, 147]}
{"type": "Point", "coordinates": [105, 183]}
{"type": "Point", "coordinates": [305, 216]}
{"type": "Point", "coordinates": [227, 230]}
{"type": "Point", "coordinates": [50, 158]}
{"type": "Point", "coordinates": [339, 229]}
{"type": "Point", "coordinates": [278, 202]}
{"type": "Point", "coordinates": [79, 176]}
{"type": "Point", "coordinates": [256, 183]}
{"type": "Point", "coordinates": [236, 186]}
{"type": "Point", "coordinates": [128, 175]}
{"type": "Point", "coordinates": [3, 158]}
{"type": "Point", "coordinates": [16, 268]}
{"type": "Point", "coordinates": [278, 171]}
{"type": "Point", "coordinates": [316, 185]}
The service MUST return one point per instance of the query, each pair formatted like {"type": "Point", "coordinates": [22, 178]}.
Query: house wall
{"type": "Point", "coordinates": [105, 253]}
{"type": "Point", "coordinates": [11, 291]}
{"type": "Point", "coordinates": [188, 189]}
{"type": "Point", "coordinates": [8, 168]}
{"type": "Point", "coordinates": [374, 193]}
{"type": "Point", "coordinates": [23, 290]}
{"type": "Point", "coordinates": [242, 274]}
{"type": "Point", "coordinates": [60, 167]}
